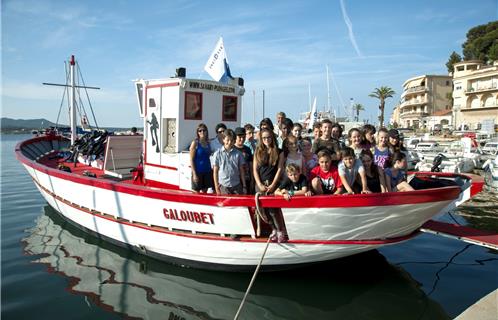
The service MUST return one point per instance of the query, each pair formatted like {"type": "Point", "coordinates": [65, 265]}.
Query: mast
{"type": "Point", "coordinates": [254, 107]}
{"type": "Point", "coordinates": [351, 109]}
{"type": "Point", "coordinates": [72, 97]}
{"type": "Point", "coordinates": [309, 95]}
{"type": "Point", "coordinates": [328, 89]}
{"type": "Point", "coordinates": [263, 103]}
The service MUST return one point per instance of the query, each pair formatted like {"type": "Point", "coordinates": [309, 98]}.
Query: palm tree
{"type": "Point", "coordinates": [358, 107]}
{"type": "Point", "coordinates": [382, 94]}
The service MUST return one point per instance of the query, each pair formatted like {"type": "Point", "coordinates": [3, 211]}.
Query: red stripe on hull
{"type": "Point", "coordinates": [323, 201]}
{"type": "Point", "coordinates": [219, 238]}
{"type": "Point", "coordinates": [160, 166]}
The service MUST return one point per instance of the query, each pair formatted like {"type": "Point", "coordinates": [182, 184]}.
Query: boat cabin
{"type": "Point", "coordinates": [490, 148]}
{"type": "Point", "coordinates": [171, 110]}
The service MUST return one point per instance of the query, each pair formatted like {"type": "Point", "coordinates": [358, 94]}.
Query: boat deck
{"type": "Point", "coordinates": [83, 169]}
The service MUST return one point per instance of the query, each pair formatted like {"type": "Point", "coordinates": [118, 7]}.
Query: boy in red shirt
{"type": "Point", "coordinates": [325, 177]}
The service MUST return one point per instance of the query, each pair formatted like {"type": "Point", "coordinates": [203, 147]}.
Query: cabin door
{"type": "Point", "coordinates": [152, 130]}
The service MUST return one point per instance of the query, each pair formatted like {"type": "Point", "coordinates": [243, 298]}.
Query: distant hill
{"type": "Point", "coordinates": [9, 124]}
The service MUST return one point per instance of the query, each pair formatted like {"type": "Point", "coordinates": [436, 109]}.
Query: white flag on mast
{"type": "Point", "coordinates": [217, 65]}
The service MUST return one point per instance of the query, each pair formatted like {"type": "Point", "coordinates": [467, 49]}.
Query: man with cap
{"type": "Point", "coordinates": [240, 137]}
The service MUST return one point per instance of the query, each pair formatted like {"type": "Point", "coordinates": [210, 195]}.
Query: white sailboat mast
{"type": "Point", "coordinates": [328, 90]}
{"type": "Point", "coordinates": [72, 97]}
{"type": "Point", "coordinates": [309, 95]}
{"type": "Point", "coordinates": [328, 94]}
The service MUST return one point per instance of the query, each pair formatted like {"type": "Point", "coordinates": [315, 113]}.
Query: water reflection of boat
{"type": "Point", "coordinates": [137, 286]}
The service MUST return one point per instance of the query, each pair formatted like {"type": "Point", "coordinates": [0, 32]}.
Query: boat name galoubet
{"type": "Point", "coordinates": [191, 216]}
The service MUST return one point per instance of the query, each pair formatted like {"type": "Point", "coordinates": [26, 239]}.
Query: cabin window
{"type": "Point", "coordinates": [140, 97]}
{"type": "Point", "coordinates": [152, 103]}
{"type": "Point", "coordinates": [193, 105]}
{"type": "Point", "coordinates": [229, 109]}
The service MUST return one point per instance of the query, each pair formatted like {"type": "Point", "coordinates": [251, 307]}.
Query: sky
{"type": "Point", "coordinates": [281, 47]}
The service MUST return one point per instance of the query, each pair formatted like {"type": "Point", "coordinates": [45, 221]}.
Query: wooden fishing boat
{"type": "Point", "coordinates": [154, 211]}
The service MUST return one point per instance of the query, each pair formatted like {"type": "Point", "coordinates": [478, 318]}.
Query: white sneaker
{"type": "Point", "coordinates": [274, 235]}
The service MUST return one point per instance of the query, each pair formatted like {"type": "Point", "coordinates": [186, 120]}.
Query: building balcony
{"type": "Point", "coordinates": [413, 114]}
{"type": "Point", "coordinates": [413, 102]}
{"type": "Point", "coordinates": [493, 87]}
{"type": "Point", "coordinates": [481, 108]}
{"type": "Point", "coordinates": [414, 90]}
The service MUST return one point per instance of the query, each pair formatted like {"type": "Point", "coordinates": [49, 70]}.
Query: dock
{"type": "Point", "coordinates": [482, 238]}
{"type": "Point", "coordinates": [484, 309]}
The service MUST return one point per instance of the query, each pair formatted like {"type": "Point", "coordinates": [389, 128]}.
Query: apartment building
{"type": "Point", "coordinates": [395, 120]}
{"type": "Point", "coordinates": [423, 98]}
{"type": "Point", "coordinates": [475, 95]}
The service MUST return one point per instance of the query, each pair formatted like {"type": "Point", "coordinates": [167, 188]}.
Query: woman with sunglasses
{"type": "Point", "coordinates": [200, 151]}
{"type": "Point", "coordinates": [268, 163]}
{"type": "Point", "coordinates": [267, 168]}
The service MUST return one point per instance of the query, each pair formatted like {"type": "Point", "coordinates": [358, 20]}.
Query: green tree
{"type": "Point", "coordinates": [358, 107]}
{"type": "Point", "coordinates": [382, 94]}
{"type": "Point", "coordinates": [493, 52]}
{"type": "Point", "coordinates": [454, 58]}
{"type": "Point", "coordinates": [481, 40]}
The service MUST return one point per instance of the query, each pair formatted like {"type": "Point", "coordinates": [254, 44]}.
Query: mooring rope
{"type": "Point", "coordinates": [252, 280]}
{"type": "Point", "coordinates": [259, 214]}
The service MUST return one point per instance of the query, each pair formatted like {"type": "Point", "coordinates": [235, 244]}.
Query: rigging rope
{"type": "Point", "coordinates": [63, 95]}
{"type": "Point", "coordinates": [87, 96]}
{"type": "Point", "coordinates": [260, 215]}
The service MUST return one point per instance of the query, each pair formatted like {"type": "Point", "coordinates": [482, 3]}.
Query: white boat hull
{"type": "Point", "coordinates": [195, 229]}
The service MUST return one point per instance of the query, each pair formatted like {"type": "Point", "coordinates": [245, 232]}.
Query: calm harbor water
{"type": "Point", "coordinates": [52, 270]}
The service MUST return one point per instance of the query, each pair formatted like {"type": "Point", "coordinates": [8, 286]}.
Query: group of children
{"type": "Point", "coordinates": [280, 161]}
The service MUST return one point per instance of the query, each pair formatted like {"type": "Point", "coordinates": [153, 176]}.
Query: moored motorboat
{"type": "Point", "coordinates": [490, 168]}
{"type": "Point", "coordinates": [155, 212]}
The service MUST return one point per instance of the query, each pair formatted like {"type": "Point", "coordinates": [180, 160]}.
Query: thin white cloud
{"type": "Point", "coordinates": [75, 15]}
{"type": "Point", "coordinates": [37, 91]}
{"type": "Point", "coordinates": [349, 24]}
{"type": "Point", "coordinates": [25, 90]}
{"type": "Point", "coordinates": [435, 16]}
{"type": "Point", "coordinates": [59, 37]}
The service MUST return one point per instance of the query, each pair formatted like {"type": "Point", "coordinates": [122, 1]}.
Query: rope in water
{"type": "Point", "coordinates": [252, 280]}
